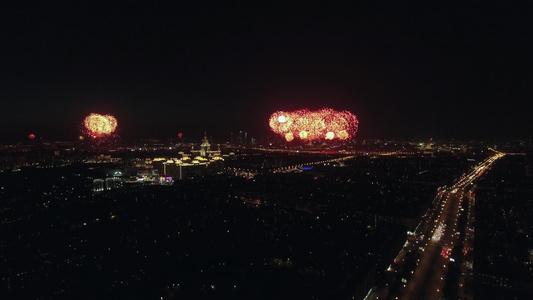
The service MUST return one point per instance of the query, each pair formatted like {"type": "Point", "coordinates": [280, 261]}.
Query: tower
{"type": "Point", "coordinates": [205, 147]}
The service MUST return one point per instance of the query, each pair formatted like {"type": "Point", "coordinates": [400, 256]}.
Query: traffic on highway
{"type": "Point", "coordinates": [435, 260]}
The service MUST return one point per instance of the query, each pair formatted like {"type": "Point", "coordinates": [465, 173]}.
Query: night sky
{"type": "Point", "coordinates": [460, 69]}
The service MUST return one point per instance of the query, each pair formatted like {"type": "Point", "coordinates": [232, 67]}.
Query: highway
{"type": "Point", "coordinates": [420, 269]}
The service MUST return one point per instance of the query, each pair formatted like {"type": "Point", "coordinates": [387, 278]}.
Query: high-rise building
{"type": "Point", "coordinates": [98, 185]}
{"type": "Point", "coordinates": [112, 183]}
{"type": "Point", "coordinates": [205, 147]}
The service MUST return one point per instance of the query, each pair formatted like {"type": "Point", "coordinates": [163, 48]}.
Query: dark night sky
{"type": "Point", "coordinates": [457, 70]}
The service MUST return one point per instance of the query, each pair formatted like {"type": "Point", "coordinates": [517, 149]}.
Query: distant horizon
{"type": "Point", "coordinates": [197, 137]}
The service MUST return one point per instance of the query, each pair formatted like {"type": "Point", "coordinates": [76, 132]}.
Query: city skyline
{"type": "Point", "coordinates": [378, 219]}
{"type": "Point", "coordinates": [416, 71]}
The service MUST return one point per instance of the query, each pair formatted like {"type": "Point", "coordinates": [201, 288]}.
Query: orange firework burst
{"type": "Point", "coordinates": [314, 125]}
{"type": "Point", "coordinates": [98, 126]}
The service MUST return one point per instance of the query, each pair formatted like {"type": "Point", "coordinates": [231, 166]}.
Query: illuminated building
{"type": "Point", "coordinates": [157, 164]}
{"type": "Point", "coordinates": [112, 183]}
{"type": "Point", "coordinates": [180, 168]}
{"type": "Point", "coordinates": [169, 167]}
{"type": "Point", "coordinates": [98, 185]}
{"type": "Point", "coordinates": [205, 149]}
{"type": "Point", "coordinates": [147, 175]}
{"type": "Point", "coordinates": [198, 162]}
